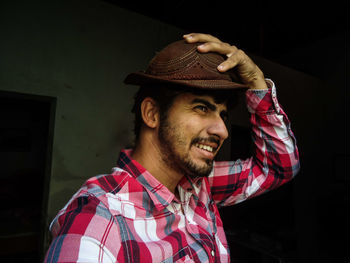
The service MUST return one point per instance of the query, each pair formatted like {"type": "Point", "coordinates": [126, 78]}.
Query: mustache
{"type": "Point", "coordinates": [204, 140]}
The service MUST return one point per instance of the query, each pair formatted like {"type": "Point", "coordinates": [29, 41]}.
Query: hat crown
{"type": "Point", "coordinates": [181, 60]}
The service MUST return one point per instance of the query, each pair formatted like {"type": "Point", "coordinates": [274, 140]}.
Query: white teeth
{"type": "Point", "coordinates": [205, 147]}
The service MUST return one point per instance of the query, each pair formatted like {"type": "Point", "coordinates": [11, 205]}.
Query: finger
{"type": "Point", "coordinates": [200, 37]}
{"type": "Point", "coordinates": [222, 48]}
{"type": "Point", "coordinates": [228, 64]}
{"type": "Point", "coordinates": [237, 58]}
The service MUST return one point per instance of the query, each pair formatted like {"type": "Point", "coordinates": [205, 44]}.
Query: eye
{"type": "Point", "coordinates": [202, 108]}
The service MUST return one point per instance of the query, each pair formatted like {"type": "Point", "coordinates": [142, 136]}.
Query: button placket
{"type": "Point", "coordinates": [274, 99]}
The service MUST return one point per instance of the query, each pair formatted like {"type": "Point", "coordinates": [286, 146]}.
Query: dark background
{"type": "Point", "coordinates": [269, 28]}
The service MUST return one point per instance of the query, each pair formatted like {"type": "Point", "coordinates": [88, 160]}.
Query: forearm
{"type": "Point", "coordinates": [276, 152]}
{"type": "Point", "coordinates": [275, 159]}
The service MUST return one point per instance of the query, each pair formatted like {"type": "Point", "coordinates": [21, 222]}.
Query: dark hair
{"type": "Point", "coordinates": [164, 95]}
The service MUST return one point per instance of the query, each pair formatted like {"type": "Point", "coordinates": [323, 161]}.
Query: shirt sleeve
{"type": "Point", "coordinates": [275, 159]}
{"type": "Point", "coordinates": [85, 232]}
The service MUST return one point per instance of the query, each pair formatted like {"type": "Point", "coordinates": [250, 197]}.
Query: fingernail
{"type": "Point", "coordinates": [221, 67]}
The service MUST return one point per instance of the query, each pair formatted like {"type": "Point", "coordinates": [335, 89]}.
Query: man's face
{"type": "Point", "coordinates": [192, 133]}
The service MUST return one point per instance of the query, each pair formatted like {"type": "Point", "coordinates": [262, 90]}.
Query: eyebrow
{"type": "Point", "coordinates": [210, 106]}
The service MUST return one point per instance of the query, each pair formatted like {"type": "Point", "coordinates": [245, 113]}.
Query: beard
{"type": "Point", "coordinates": [175, 151]}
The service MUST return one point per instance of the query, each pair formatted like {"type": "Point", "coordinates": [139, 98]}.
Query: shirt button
{"type": "Point", "coordinates": [273, 92]}
{"type": "Point", "coordinates": [213, 253]}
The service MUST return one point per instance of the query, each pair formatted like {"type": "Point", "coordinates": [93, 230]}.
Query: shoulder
{"type": "Point", "coordinates": [108, 183]}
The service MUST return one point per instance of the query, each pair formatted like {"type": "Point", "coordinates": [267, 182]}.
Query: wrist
{"type": "Point", "coordinates": [258, 81]}
{"type": "Point", "coordinates": [259, 84]}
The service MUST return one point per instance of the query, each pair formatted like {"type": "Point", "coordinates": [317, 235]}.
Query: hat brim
{"type": "Point", "coordinates": [140, 78]}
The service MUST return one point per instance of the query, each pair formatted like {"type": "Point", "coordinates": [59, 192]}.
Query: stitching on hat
{"type": "Point", "coordinates": [181, 68]}
{"type": "Point", "coordinates": [173, 65]}
{"type": "Point", "coordinates": [188, 55]}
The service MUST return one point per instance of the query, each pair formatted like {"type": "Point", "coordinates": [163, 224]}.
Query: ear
{"type": "Point", "coordinates": [150, 112]}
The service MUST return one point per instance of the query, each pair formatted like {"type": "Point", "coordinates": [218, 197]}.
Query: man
{"type": "Point", "coordinates": [160, 204]}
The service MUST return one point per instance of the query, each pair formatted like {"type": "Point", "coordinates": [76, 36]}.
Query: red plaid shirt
{"type": "Point", "coordinates": [128, 216]}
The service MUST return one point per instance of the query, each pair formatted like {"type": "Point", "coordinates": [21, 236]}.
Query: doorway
{"type": "Point", "coordinates": [26, 136]}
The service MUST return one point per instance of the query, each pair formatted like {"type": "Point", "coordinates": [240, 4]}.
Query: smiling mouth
{"type": "Point", "coordinates": [209, 145]}
{"type": "Point", "coordinates": [206, 147]}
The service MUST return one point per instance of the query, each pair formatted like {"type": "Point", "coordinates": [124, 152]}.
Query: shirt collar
{"type": "Point", "coordinates": [191, 184]}
{"type": "Point", "coordinates": [158, 193]}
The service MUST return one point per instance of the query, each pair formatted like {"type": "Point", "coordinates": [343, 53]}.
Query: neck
{"type": "Point", "coordinates": [149, 155]}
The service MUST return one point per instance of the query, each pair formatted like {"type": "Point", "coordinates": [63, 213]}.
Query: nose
{"type": "Point", "coordinates": [218, 127]}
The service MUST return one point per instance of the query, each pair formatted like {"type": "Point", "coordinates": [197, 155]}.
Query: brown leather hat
{"type": "Point", "coordinates": [181, 63]}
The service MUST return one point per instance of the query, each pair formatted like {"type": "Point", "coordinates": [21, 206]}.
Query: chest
{"type": "Point", "coordinates": [189, 230]}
